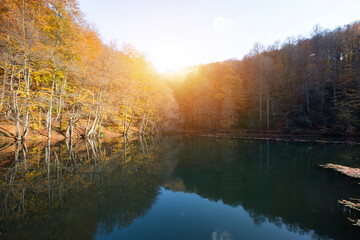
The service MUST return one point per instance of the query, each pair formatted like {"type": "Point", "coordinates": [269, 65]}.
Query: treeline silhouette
{"type": "Point", "coordinates": [304, 84]}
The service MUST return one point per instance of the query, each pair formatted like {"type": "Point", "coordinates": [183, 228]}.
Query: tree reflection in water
{"type": "Point", "coordinates": [277, 182]}
{"type": "Point", "coordinates": [66, 189]}
{"type": "Point", "coordinates": [73, 190]}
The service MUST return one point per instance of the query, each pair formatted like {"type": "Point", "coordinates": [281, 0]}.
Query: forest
{"type": "Point", "coordinates": [303, 84]}
{"type": "Point", "coordinates": [57, 75]}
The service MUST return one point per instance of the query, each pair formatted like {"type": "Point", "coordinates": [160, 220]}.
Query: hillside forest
{"type": "Point", "coordinates": [58, 75]}
{"type": "Point", "coordinates": [303, 84]}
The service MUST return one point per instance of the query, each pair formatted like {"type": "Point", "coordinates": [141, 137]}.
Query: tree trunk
{"type": "Point", "coordinates": [40, 117]}
{"type": "Point", "coordinates": [49, 117]}
{"type": "Point", "coordinates": [69, 130]}
{"type": "Point", "coordinates": [3, 90]}
{"type": "Point", "coordinates": [144, 115]}
{"type": "Point", "coordinates": [87, 124]}
{"type": "Point", "coordinates": [125, 120]}
{"type": "Point", "coordinates": [322, 94]}
{"type": "Point", "coordinates": [358, 76]}
{"type": "Point", "coordinates": [334, 82]}
{"type": "Point", "coordinates": [59, 105]}
{"type": "Point", "coordinates": [16, 109]}
{"type": "Point", "coordinates": [146, 122]}
{"type": "Point", "coordinates": [27, 85]}
{"type": "Point", "coordinates": [260, 100]}
{"type": "Point", "coordinates": [89, 118]}
{"type": "Point", "coordinates": [307, 96]}
{"type": "Point", "coordinates": [267, 105]}
{"type": "Point", "coordinates": [142, 123]}
{"type": "Point", "coordinates": [99, 126]}
{"type": "Point", "coordinates": [153, 125]}
{"type": "Point", "coordinates": [132, 116]}
{"type": "Point", "coordinates": [91, 132]}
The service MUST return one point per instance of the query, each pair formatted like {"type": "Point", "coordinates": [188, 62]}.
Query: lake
{"type": "Point", "coordinates": [176, 187]}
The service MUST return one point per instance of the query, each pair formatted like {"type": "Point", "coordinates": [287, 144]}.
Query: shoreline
{"type": "Point", "coordinates": [312, 136]}
{"type": "Point", "coordinates": [273, 136]}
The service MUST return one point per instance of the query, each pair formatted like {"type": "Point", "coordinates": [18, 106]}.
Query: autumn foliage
{"type": "Point", "coordinates": [56, 73]}
{"type": "Point", "coordinates": [303, 84]}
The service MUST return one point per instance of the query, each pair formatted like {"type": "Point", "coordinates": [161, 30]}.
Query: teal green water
{"type": "Point", "coordinates": [177, 187]}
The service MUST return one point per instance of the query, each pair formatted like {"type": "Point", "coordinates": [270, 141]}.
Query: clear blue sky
{"type": "Point", "coordinates": [175, 34]}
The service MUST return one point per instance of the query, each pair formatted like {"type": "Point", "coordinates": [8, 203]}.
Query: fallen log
{"type": "Point", "coordinates": [354, 204]}
{"type": "Point", "coordinates": [348, 171]}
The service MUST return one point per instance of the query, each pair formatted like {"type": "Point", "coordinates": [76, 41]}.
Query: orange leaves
{"type": "Point", "coordinates": [50, 40]}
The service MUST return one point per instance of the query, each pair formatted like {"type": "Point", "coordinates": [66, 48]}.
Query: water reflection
{"type": "Point", "coordinates": [276, 182]}
{"type": "Point", "coordinates": [65, 190]}
{"type": "Point", "coordinates": [92, 188]}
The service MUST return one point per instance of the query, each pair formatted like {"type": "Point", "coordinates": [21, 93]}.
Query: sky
{"type": "Point", "coordinates": [175, 34]}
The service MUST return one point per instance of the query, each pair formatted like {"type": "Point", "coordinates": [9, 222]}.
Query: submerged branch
{"type": "Point", "coordinates": [352, 205]}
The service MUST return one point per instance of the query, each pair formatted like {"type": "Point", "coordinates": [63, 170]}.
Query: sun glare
{"type": "Point", "coordinates": [164, 64]}
{"type": "Point", "coordinates": [171, 61]}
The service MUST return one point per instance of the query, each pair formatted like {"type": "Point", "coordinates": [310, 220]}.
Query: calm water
{"type": "Point", "coordinates": [176, 188]}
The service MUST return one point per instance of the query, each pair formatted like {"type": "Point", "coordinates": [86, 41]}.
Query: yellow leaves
{"type": "Point", "coordinates": [31, 175]}
{"type": "Point", "coordinates": [39, 76]}
{"type": "Point", "coordinates": [60, 39]}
